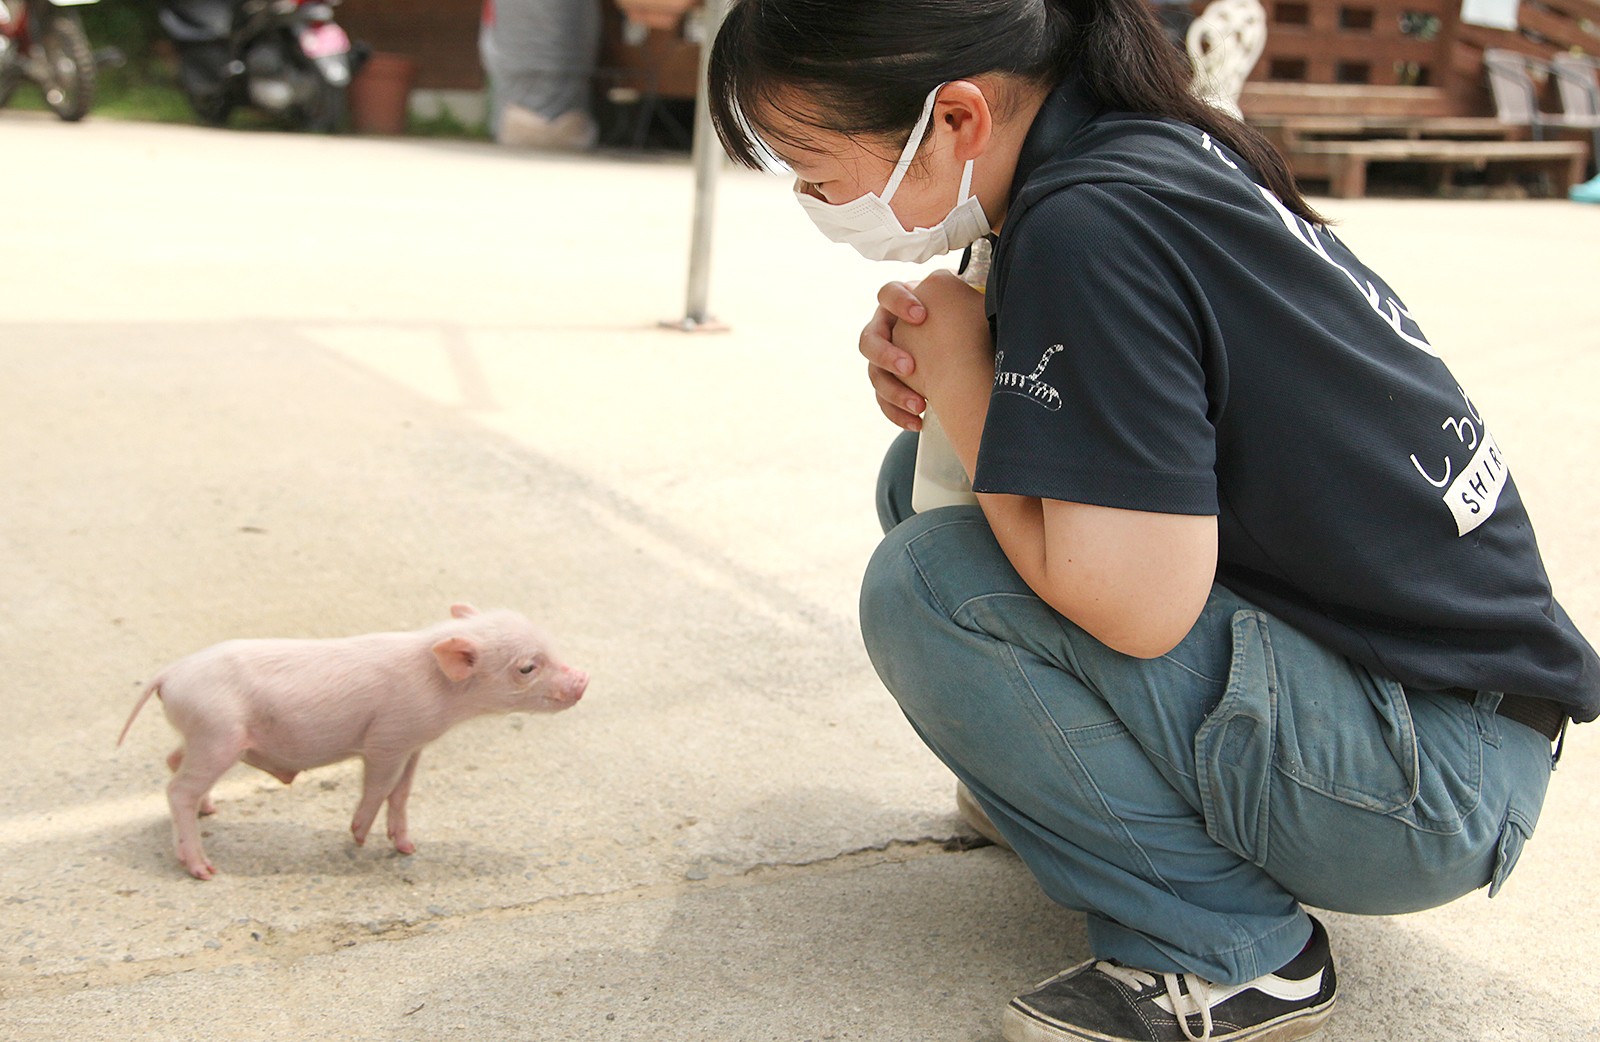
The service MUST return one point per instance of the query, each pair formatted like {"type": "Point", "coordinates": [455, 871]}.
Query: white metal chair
{"type": "Point", "coordinates": [1512, 81]}
{"type": "Point", "coordinates": [1224, 42]}
{"type": "Point", "coordinates": [1578, 84]}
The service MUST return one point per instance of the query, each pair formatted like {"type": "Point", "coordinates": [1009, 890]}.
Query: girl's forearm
{"type": "Point", "coordinates": [1136, 581]}
{"type": "Point", "coordinates": [1017, 521]}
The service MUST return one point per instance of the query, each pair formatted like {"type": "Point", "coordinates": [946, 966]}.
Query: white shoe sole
{"type": "Point", "coordinates": [974, 816]}
{"type": "Point", "coordinates": [1017, 1026]}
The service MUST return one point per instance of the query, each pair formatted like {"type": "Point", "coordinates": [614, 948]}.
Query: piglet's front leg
{"type": "Point", "coordinates": [381, 776]}
{"type": "Point", "coordinates": [397, 807]}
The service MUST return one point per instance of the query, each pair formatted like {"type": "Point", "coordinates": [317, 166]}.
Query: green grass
{"type": "Point", "coordinates": [121, 94]}
{"type": "Point", "coordinates": [145, 99]}
{"type": "Point", "coordinates": [151, 95]}
{"type": "Point", "coordinates": [445, 125]}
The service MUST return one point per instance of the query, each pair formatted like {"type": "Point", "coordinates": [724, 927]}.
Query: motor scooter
{"type": "Point", "coordinates": [44, 41]}
{"type": "Point", "coordinates": [288, 58]}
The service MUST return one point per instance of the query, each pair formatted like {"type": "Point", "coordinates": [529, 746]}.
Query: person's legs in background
{"type": "Point", "coordinates": [540, 58]}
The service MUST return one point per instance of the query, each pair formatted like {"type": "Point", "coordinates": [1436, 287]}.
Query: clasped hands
{"type": "Point", "coordinates": [928, 343]}
{"type": "Point", "coordinates": [1135, 580]}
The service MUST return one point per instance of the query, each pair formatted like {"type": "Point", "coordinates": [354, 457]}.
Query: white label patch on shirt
{"type": "Point", "coordinates": [1471, 492]}
{"type": "Point", "coordinates": [1029, 385]}
{"type": "Point", "coordinates": [1475, 492]}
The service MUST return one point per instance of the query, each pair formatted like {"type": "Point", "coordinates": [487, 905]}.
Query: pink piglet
{"type": "Point", "coordinates": [285, 706]}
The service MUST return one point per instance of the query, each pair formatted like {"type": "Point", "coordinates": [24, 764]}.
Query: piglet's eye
{"type": "Point", "coordinates": [529, 668]}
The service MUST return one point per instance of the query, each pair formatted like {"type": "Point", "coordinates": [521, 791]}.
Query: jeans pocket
{"type": "Point", "coordinates": [1513, 835]}
{"type": "Point", "coordinates": [1234, 746]}
{"type": "Point", "coordinates": [1298, 724]}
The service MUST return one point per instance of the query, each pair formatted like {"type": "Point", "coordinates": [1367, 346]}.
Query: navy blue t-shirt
{"type": "Point", "coordinates": [1171, 338]}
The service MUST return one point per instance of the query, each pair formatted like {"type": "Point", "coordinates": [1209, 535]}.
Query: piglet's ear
{"type": "Point", "coordinates": [462, 611]}
{"type": "Point", "coordinates": [457, 656]}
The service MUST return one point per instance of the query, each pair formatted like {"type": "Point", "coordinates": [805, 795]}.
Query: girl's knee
{"type": "Point", "coordinates": [889, 589]}
{"type": "Point", "coordinates": [894, 481]}
{"type": "Point", "coordinates": [915, 585]}
{"type": "Point", "coordinates": [928, 567]}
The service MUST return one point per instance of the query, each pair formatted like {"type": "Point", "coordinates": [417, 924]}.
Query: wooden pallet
{"type": "Point", "coordinates": [1344, 163]}
{"type": "Point", "coordinates": [1271, 98]}
{"type": "Point", "coordinates": [1290, 132]}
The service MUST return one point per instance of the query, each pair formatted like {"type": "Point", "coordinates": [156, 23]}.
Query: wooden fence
{"type": "Point", "coordinates": [1391, 57]}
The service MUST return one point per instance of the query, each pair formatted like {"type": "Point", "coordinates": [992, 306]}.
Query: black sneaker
{"type": "Point", "coordinates": [1108, 1002]}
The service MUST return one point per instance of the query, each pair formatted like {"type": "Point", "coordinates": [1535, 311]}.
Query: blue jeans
{"type": "Point", "coordinates": [1189, 804]}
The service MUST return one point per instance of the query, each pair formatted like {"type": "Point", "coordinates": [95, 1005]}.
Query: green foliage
{"type": "Point", "coordinates": [445, 124]}
{"type": "Point", "coordinates": [128, 25]}
{"type": "Point", "coordinates": [145, 85]}
{"type": "Point", "coordinates": [125, 94]}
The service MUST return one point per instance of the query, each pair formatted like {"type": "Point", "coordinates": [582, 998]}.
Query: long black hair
{"type": "Point", "coordinates": [864, 67]}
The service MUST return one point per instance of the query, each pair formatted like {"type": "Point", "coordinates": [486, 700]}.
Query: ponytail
{"type": "Point", "coordinates": [1128, 64]}
{"type": "Point", "coordinates": [865, 66]}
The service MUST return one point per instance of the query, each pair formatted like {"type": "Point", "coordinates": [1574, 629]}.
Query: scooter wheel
{"type": "Point", "coordinates": [10, 66]}
{"type": "Point", "coordinates": [10, 80]}
{"type": "Point", "coordinates": [212, 109]}
{"type": "Point", "coordinates": [70, 74]}
{"type": "Point", "coordinates": [326, 112]}
{"type": "Point", "coordinates": [204, 83]}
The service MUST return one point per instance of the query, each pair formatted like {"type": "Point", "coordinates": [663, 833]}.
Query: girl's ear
{"type": "Point", "coordinates": [963, 110]}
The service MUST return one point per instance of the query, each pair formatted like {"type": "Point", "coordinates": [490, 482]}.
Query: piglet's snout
{"type": "Point", "coordinates": [570, 685]}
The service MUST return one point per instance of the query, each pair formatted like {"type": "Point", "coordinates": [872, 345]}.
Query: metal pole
{"type": "Point", "coordinates": [707, 160]}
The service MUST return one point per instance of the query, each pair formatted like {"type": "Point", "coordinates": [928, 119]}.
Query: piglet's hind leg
{"type": "Point", "coordinates": [203, 761]}
{"type": "Point", "coordinates": [174, 760]}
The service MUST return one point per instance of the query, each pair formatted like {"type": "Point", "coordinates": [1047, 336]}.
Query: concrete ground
{"type": "Point", "coordinates": [256, 384]}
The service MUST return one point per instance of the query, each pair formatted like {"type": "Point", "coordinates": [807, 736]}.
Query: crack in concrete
{"type": "Point", "coordinates": [257, 943]}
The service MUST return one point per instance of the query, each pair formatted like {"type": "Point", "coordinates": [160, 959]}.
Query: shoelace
{"type": "Point", "coordinates": [1194, 997]}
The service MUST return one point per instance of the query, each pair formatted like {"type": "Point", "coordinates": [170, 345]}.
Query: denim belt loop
{"type": "Point", "coordinates": [1487, 704]}
{"type": "Point", "coordinates": [1541, 715]}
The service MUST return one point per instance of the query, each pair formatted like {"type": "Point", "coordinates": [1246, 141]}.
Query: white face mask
{"type": "Point", "coordinates": [870, 225]}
